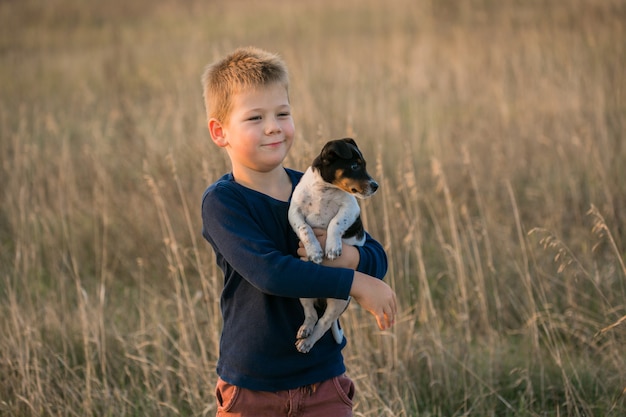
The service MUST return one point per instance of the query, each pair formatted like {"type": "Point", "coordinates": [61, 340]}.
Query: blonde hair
{"type": "Point", "coordinates": [244, 68]}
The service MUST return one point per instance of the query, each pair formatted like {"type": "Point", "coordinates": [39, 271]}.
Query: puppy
{"type": "Point", "coordinates": [325, 198]}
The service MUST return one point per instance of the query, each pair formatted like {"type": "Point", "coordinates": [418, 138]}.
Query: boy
{"type": "Point", "coordinates": [244, 214]}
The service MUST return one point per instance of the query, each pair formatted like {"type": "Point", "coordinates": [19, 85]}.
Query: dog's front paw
{"type": "Point", "coordinates": [316, 257]}
{"type": "Point", "coordinates": [333, 248]}
{"type": "Point", "coordinates": [314, 252]}
{"type": "Point", "coordinates": [333, 252]}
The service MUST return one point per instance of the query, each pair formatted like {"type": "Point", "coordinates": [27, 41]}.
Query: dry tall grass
{"type": "Point", "coordinates": [496, 129]}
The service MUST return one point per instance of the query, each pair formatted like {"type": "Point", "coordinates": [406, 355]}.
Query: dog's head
{"type": "Point", "coordinates": [341, 163]}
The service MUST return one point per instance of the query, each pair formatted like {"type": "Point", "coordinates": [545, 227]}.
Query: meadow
{"type": "Point", "coordinates": [496, 129]}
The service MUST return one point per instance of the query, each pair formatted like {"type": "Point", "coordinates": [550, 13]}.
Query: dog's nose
{"type": "Point", "coordinates": [374, 186]}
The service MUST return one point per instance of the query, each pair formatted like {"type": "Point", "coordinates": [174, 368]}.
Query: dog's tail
{"type": "Point", "coordinates": [335, 329]}
{"type": "Point", "coordinates": [337, 332]}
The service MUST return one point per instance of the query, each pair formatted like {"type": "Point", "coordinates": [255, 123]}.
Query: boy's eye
{"type": "Point", "coordinates": [254, 118]}
{"type": "Point", "coordinates": [284, 114]}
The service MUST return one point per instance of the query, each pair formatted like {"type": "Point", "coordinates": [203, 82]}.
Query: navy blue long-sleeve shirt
{"type": "Point", "coordinates": [263, 278]}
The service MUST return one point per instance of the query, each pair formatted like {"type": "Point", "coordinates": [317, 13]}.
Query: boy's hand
{"type": "Point", "coordinates": [376, 297]}
{"type": "Point", "coordinates": [349, 258]}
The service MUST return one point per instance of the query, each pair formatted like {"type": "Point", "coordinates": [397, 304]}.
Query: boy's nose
{"type": "Point", "coordinates": [272, 127]}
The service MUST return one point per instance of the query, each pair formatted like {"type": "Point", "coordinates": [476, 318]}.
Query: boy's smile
{"type": "Point", "coordinates": [274, 144]}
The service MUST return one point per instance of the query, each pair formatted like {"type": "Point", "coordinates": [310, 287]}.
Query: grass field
{"type": "Point", "coordinates": [497, 130]}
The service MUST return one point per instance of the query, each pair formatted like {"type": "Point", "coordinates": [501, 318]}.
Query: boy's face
{"type": "Point", "coordinates": [259, 131]}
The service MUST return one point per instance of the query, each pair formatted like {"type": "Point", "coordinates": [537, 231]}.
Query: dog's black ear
{"type": "Point", "coordinates": [351, 141]}
{"type": "Point", "coordinates": [334, 149]}
{"type": "Point", "coordinates": [340, 148]}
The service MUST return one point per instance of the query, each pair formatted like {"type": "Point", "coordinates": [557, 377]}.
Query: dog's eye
{"type": "Point", "coordinates": [355, 166]}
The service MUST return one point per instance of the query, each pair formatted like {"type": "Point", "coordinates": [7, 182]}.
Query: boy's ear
{"type": "Point", "coordinates": [217, 133]}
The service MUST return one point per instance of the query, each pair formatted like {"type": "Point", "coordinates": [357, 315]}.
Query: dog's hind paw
{"type": "Point", "coordinates": [304, 345]}
{"type": "Point", "coordinates": [304, 332]}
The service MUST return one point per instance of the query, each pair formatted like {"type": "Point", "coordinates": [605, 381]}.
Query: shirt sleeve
{"type": "Point", "coordinates": [373, 259]}
{"type": "Point", "coordinates": [243, 244]}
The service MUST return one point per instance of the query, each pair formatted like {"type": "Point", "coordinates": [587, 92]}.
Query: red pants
{"type": "Point", "coordinates": [330, 398]}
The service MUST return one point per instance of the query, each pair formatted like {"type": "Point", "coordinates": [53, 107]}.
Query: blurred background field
{"type": "Point", "coordinates": [496, 129]}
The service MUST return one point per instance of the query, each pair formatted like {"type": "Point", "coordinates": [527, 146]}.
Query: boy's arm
{"type": "Point", "coordinates": [376, 297]}
{"type": "Point", "coordinates": [243, 245]}
{"type": "Point", "coordinates": [372, 258]}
